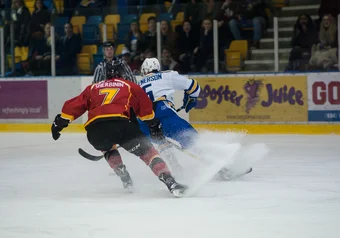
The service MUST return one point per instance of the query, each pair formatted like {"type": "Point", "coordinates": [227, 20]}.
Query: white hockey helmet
{"type": "Point", "coordinates": [149, 65]}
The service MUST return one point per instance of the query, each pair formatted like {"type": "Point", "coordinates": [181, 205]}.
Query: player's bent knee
{"type": "Point", "coordinates": [138, 146]}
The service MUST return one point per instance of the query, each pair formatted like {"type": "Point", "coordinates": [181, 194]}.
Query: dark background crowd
{"type": "Point", "coordinates": [186, 33]}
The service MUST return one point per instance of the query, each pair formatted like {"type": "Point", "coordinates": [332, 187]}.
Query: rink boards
{"type": "Point", "coordinates": [266, 103]}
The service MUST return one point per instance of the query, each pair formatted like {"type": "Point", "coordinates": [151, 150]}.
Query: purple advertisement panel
{"type": "Point", "coordinates": [23, 100]}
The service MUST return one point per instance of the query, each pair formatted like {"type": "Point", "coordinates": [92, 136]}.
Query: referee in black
{"type": "Point", "coordinates": [112, 66]}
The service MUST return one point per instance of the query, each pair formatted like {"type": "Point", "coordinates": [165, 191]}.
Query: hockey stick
{"type": "Point", "coordinates": [180, 109]}
{"type": "Point", "coordinates": [89, 156]}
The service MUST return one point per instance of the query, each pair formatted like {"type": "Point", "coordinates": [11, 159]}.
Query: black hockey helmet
{"type": "Point", "coordinates": [112, 69]}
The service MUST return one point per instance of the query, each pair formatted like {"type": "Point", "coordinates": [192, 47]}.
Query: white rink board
{"type": "Point", "coordinates": [62, 88]}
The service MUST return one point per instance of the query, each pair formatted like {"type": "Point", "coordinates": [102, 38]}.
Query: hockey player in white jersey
{"type": "Point", "coordinates": [160, 87]}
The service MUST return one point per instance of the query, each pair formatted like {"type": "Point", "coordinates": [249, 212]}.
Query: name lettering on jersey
{"type": "Point", "coordinates": [221, 93]}
{"type": "Point", "coordinates": [150, 79]}
{"type": "Point", "coordinates": [108, 85]}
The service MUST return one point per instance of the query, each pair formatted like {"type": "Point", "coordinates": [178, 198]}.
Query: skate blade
{"type": "Point", "coordinates": [178, 193]}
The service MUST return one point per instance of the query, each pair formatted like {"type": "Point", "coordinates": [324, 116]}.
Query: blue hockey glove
{"type": "Point", "coordinates": [189, 102]}
{"type": "Point", "coordinates": [58, 125]}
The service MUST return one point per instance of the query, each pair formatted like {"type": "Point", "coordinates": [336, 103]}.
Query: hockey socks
{"type": "Point", "coordinates": [155, 162]}
{"type": "Point", "coordinates": [115, 161]}
{"type": "Point", "coordinates": [113, 158]}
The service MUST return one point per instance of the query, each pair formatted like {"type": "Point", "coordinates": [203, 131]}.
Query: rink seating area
{"type": "Point", "coordinates": [266, 103]}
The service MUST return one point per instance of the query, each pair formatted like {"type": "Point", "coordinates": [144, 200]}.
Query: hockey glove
{"type": "Point", "coordinates": [155, 128]}
{"type": "Point", "coordinates": [58, 125]}
{"type": "Point", "coordinates": [189, 102]}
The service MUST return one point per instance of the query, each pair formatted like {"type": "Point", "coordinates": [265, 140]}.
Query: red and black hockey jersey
{"type": "Point", "coordinates": [109, 99]}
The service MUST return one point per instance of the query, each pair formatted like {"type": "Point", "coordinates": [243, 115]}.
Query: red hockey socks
{"type": "Point", "coordinates": [152, 159]}
{"type": "Point", "coordinates": [113, 158]}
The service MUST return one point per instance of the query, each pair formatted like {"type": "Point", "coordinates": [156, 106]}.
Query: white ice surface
{"type": "Point", "coordinates": [48, 190]}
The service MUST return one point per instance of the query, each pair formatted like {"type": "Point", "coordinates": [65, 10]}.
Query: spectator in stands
{"type": "Point", "coordinates": [324, 54]}
{"type": "Point", "coordinates": [304, 37]}
{"type": "Point", "coordinates": [20, 17]}
{"type": "Point", "coordinates": [148, 54]}
{"type": "Point", "coordinates": [149, 37]}
{"type": "Point", "coordinates": [144, 55]}
{"type": "Point", "coordinates": [329, 7]}
{"type": "Point", "coordinates": [226, 13]}
{"type": "Point", "coordinates": [126, 57]}
{"type": "Point", "coordinates": [254, 12]}
{"type": "Point", "coordinates": [70, 46]}
{"type": "Point", "coordinates": [40, 17]}
{"type": "Point", "coordinates": [186, 42]}
{"type": "Point", "coordinates": [167, 61]}
{"type": "Point", "coordinates": [168, 37]}
{"type": "Point", "coordinates": [211, 8]}
{"type": "Point", "coordinates": [134, 39]}
{"type": "Point", "coordinates": [39, 56]}
{"type": "Point", "coordinates": [204, 51]}
{"type": "Point", "coordinates": [194, 11]}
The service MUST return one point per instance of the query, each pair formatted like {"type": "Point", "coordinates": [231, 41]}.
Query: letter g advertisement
{"type": "Point", "coordinates": [252, 99]}
{"type": "Point", "coordinates": [324, 97]}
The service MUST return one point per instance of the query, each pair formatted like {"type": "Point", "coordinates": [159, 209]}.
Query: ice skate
{"type": "Point", "coordinates": [124, 175]}
{"type": "Point", "coordinates": [175, 188]}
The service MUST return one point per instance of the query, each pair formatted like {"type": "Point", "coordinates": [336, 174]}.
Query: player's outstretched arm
{"type": "Point", "coordinates": [72, 109]}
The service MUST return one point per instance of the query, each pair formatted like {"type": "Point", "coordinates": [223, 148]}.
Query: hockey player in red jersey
{"type": "Point", "coordinates": [108, 104]}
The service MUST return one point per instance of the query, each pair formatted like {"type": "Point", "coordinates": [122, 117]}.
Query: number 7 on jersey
{"type": "Point", "coordinates": [110, 94]}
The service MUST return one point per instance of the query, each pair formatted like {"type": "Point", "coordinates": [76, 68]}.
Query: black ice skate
{"type": "Point", "coordinates": [227, 174]}
{"type": "Point", "coordinates": [124, 175]}
{"type": "Point", "coordinates": [175, 188]}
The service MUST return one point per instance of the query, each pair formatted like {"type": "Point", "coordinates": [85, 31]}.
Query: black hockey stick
{"type": "Point", "coordinates": [180, 109]}
{"type": "Point", "coordinates": [99, 157]}
{"type": "Point", "coordinates": [89, 156]}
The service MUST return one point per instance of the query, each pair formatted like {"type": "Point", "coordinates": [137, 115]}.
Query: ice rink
{"type": "Point", "coordinates": [48, 190]}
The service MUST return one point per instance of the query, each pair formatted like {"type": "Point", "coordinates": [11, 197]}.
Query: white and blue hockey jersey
{"type": "Point", "coordinates": [162, 85]}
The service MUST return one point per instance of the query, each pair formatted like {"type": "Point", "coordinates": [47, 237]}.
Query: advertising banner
{"type": "Point", "coordinates": [252, 99]}
{"type": "Point", "coordinates": [324, 97]}
{"type": "Point", "coordinates": [23, 99]}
